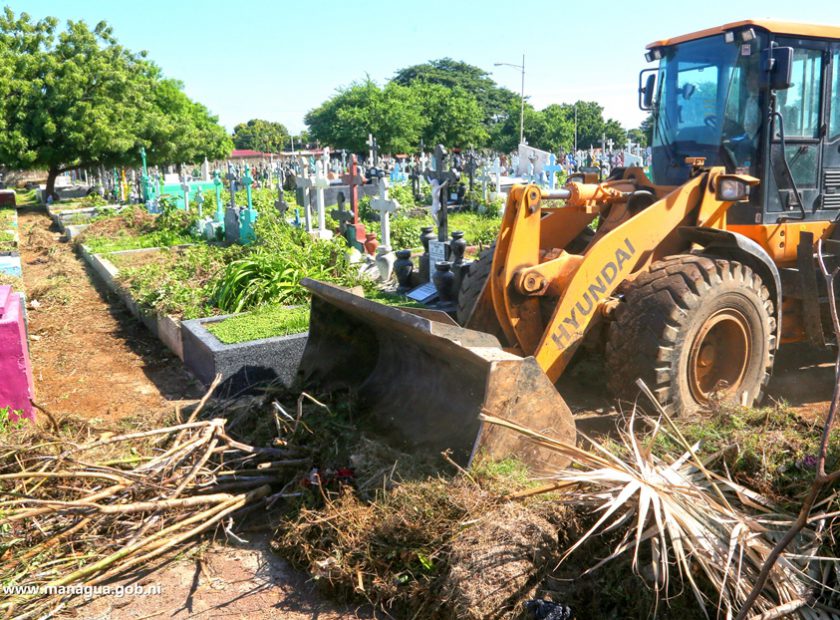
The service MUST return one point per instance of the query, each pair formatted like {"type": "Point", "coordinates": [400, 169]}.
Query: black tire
{"type": "Point", "coordinates": [473, 283]}
{"type": "Point", "coordinates": [698, 330]}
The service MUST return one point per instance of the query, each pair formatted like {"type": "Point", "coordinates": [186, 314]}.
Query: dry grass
{"type": "Point", "coordinates": [439, 547]}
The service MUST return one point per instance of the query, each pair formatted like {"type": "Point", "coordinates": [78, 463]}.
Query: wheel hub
{"type": "Point", "coordinates": [719, 356]}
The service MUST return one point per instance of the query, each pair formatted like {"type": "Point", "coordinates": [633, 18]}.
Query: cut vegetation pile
{"type": "Point", "coordinates": [134, 228]}
{"type": "Point", "coordinates": [80, 507]}
{"type": "Point", "coordinates": [431, 548]}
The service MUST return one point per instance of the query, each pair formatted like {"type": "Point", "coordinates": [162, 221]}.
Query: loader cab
{"type": "Point", "coordinates": [760, 98]}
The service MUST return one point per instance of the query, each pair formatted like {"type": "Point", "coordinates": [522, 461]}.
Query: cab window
{"type": "Point", "coordinates": [800, 104]}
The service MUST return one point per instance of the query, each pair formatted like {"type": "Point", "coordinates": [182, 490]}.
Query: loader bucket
{"type": "Point", "coordinates": [424, 380]}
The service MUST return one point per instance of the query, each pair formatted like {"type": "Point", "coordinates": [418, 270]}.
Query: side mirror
{"type": "Point", "coordinates": [647, 91]}
{"type": "Point", "coordinates": [777, 65]}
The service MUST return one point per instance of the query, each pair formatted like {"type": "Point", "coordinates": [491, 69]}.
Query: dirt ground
{"type": "Point", "coordinates": [245, 582]}
{"type": "Point", "coordinates": [90, 357]}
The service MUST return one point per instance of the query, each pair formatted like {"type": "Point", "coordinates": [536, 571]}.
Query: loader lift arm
{"type": "Point", "coordinates": [531, 261]}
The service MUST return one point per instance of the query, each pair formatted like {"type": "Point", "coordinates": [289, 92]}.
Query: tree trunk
{"type": "Point", "coordinates": [50, 190]}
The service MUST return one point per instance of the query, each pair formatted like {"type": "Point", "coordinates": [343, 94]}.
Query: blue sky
{"type": "Point", "coordinates": [277, 59]}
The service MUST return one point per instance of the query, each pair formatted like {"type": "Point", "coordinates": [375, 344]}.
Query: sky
{"type": "Point", "coordinates": [276, 60]}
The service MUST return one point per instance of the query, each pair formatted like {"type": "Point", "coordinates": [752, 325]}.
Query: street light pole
{"type": "Point", "coordinates": [522, 99]}
{"type": "Point", "coordinates": [521, 94]}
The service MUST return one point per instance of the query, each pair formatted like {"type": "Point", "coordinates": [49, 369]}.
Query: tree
{"type": "Point", "coordinates": [647, 128]}
{"type": "Point", "coordinates": [451, 116]}
{"type": "Point", "coordinates": [638, 136]}
{"type": "Point", "coordinates": [505, 135]}
{"type": "Point", "coordinates": [79, 99]}
{"type": "Point", "coordinates": [260, 135]}
{"type": "Point", "coordinates": [558, 128]}
{"type": "Point", "coordinates": [493, 99]}
{"type": "Point", "coordinates": [175, 129]}
{"type": "Point", "coordinates": [392, 114]}
{"type": "Point", "coordinates": [615, 132]}
{"type": "Point", "coordinates": [590, 123]}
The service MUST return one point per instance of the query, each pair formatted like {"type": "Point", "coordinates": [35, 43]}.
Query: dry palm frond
{"type": "Point", "coordinates": [687, 517]}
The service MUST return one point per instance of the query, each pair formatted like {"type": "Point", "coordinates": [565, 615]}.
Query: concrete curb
{"type": "Point", "coordinates": [73, 230]}
{"type": "Point", "coordinates": [165, 327]}
{"type": "Point", "coordinates": [243, 365]}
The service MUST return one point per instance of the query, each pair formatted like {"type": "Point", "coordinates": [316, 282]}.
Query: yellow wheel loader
{"type": "Point", "coordinates": [688, 278]}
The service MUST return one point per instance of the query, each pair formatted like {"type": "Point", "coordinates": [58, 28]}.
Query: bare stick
{"type": "Point", "coordinates": [821, 479]}
{"type": "Point", "coordinates": [49, 415]}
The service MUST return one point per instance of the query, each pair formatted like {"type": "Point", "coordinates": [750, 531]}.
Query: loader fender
{"type": "Point", "coordinates": [733, 245]}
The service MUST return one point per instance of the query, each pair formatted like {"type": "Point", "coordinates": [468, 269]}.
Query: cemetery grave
{"type": "Point", "coordinates": [239, 310]}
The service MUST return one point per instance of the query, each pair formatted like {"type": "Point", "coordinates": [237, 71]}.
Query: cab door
{"type": "Point", "coordinates": [831, 148]}
{"type": "Point", "coordinates": [802, 108]}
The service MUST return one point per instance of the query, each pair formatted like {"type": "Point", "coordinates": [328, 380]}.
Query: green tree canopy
{"type": "Point", "coordinates": [450, 116]}
{"type": "Point", "coordinates": [260, 135]}
{"type": "Point", "coordinates": [78, 98]}
{"type": "Point", "coordinates": [392, 114]}
{"type": "Point", "coordinates": [452, 74]}
{"type": "Point", "coordinates": [456, 104]}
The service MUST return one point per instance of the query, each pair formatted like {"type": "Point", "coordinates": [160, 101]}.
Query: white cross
{"type": "Point", "coordinates": [497, 170]}
{"type": "Point", "coordinates": [321, 183]}
{"type": "Point", "coordinates": [185, 187]}
{"type": "Point", "coordinates": [484, 177]}
{"type": "Point", "coordinates": [386, 206]}
{"type": "Point", "coordinates": [325, 158]}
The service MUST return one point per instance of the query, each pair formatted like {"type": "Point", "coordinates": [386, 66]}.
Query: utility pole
{"type": "Point", "coordinates": [521, 94]}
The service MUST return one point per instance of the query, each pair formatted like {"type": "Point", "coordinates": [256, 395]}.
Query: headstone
{"type": "Point", "coordinates": [147, 193]}
{"type": "Point", "coordinates": [205, 170]}
{"type": "Point", "coordinates": [355, 232]}
{"type": "Point", "coordinates": [373, 150]}
{"type": "Point", "coordinates": [342, 215]}
{"type": "Point", "coordinates": [248, 217]}
{"type": "Point", "coordinates": [444, 178]}
{"type": "Point", "coordinates": [280, 204]}
{"type": "Point", "coordinates": [497, 171]}
{"type": "Point", "coordinates": [325, 160]}
{"type": "Point", "coordinates": [438, 251]}
{"type": "Point", "coordinates": [321, 183]}
{"type": "Point", "coordinates": [217, 184]}
{"type": "Point", "coordinates": [231, 177]}
{"type": "Point", "coordinates": [396, 173]}
{"type": "Point", "coordinates": [303, 185]}
{"type": "Point", "coordinates": [484, 177]}
{"type": "Point", "coordinates": [471, 166]}
{"type": "Point", "coordinates": [231, 226]}
{"type": "Point", "coordinates": [414, 176]}
{"type": "Point", "coordinates": [199, 203]}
